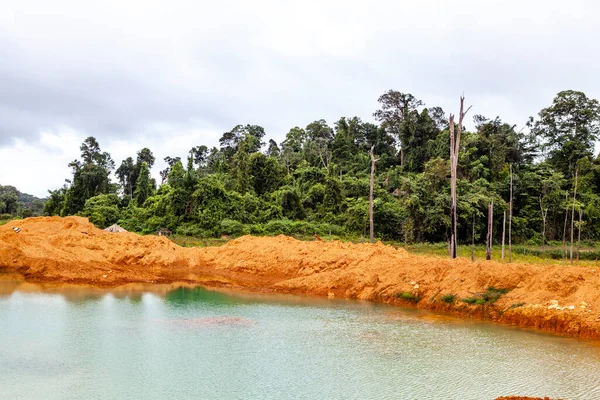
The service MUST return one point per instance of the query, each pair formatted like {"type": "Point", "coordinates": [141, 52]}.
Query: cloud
{"type": "Point", "coordinates": [169, 75]}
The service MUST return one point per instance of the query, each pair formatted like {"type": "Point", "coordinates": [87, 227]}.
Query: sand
{"type": "Point", "coordinates": [560, 299]}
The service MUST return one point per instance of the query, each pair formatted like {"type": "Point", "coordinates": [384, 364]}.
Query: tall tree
{"type": "Point", "coordinates": [394, 115]}
{"type": "Point", "coordinates": [372, 183]}
{"type": "Point", "coordinates": [454, 150]}
{"type": "Point", "coordinates": [567, 130]}
{"type": "Point", "coordinates": [143, 187]}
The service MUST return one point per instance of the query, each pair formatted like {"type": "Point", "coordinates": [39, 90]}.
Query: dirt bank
{"type": "Point", "coordinates": [552, 298]}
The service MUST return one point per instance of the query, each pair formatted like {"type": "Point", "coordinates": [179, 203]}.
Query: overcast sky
{"type": "Point", "coordinates": [170, 75]}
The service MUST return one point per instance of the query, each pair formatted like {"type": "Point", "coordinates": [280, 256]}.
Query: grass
{"type": "Point", "coordinates": [408, 296]}
{"type": "Point", "coordinates": [490, 296]}
{"type": "Point", "coordinates": [448, 298]}
{"type": "Point", "coordinates": [527, 254]}
{"type": "Point", "coordinates": [517, 305]}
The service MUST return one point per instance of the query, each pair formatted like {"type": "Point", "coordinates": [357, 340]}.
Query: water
{"type": "Point", "coordinates": [193, 343]}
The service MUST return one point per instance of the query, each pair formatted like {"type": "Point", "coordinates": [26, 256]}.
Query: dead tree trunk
{"type": "Point", "coordinates": [510, 209]}
{"type": "Point", "coordinates": [473, 241]}
{"type": "Point", "coordinates": [454, 149]}
{"type": "Point", "coordinates": [488, 241]}
{"type": "Point", "coordinates": [503, 233]}
{"type": "Point", "coordinates": [565, 226]}
{"type": "Point", "coordinates": [573, 216]}
{"type": "Point", "coordinates": [544, 215]}
{"type": "Point", "coordinates": [579, 233]}
{"type": "Point", "coordinates": [371, 228]}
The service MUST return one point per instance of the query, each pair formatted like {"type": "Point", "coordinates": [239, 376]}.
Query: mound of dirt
{"type": "Point", "coordinates": [552, 298]}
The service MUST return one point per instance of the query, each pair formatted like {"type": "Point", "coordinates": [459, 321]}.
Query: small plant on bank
{"type": "Point", "coordinates": [408, 296]}
{"type": "Point", "coordinates": [490, 296]}
{"type": "Point", "coordinates": [517, 305]}
{"type": "Point", "coordinates": [448, 298]}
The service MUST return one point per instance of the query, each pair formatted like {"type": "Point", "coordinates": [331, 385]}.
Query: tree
{"type": "Point", "coordinates": [454, 150]}
{"type": "Point", "coordinates": [102, 210]}
{"type": "Point", "coordinates": [372, 182]}
{"type": "Point", "coordinates": [125, 174]}
{"type": "Point", "coordinates": [143, 188]}
{"type": "Point", "coordinates": [566, 130]}
{"type": "Point", "coordinates": [273, 149]}
{"type": "Point", "coordinates": [250, 135]}
{"type": "Point", "coordinates": [91, 177]}
{"type": "Point", "coordinates": [394, 115]}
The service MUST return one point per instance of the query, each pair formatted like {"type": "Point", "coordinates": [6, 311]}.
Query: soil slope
{"type": "Point", "coordinates": [559, 299]}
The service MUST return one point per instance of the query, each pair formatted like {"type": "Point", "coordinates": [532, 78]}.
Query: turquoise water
{"type": "Point", "coordinates": [201, 344]}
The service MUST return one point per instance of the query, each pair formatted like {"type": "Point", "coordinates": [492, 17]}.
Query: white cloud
{"type": "Point", "coordinates": [169, 75]}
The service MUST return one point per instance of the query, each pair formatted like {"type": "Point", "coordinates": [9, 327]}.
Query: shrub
{"type": "Point", "coordinates": [231, 227]}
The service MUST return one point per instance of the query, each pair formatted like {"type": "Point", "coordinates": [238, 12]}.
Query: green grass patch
{"type": "Point", "coordinates": [517, 305]}
{"type": "Point", "coordinates": [408, 296]}
{"type": "Point", "coordinates": [448, 298]}
{"type": "Point", "coordinates": [490, 296]}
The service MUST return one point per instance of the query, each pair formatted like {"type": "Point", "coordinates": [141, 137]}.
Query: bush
{"type": "Point", "coordinates": [231, 227]}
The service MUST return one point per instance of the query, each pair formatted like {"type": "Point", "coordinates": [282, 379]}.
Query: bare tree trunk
{"type": "Point", "coordinates": [510, 209]}
{"type": "Point", "coordinates": [488, 245]}
{"type": "Point", "coordinates": [371, 228]}
{"type": "Point", "coordinates": [573, 215]}
{"type": "Point", "coordinates": [454, 149]}
{"type": "Point", "coordinates": [565, 227]}
{"type": "Point", "coordinates": [544, 215]}
{"type": "Point", "coordinates": [503, 233]}
{"type": "Point", "coordinates": [473, 241]}
{"type": "Point", "coordinates": [579, 233]}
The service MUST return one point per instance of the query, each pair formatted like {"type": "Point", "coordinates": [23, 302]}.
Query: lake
{"type": "Point", "coordinates": [194, 343]}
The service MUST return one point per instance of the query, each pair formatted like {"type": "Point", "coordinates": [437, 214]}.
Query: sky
{"type": "Point", "coordinates": [170, 75]}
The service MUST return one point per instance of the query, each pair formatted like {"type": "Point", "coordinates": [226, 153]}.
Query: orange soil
{"type": "Point", "coordinates": [558, 299]}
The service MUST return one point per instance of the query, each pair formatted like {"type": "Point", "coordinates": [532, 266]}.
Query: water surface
{"type": "Point", "coordinates": [192, 343]}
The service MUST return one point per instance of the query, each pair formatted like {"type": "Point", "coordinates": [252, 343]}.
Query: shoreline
{"type": "Point", "coordinates": [561, 300]}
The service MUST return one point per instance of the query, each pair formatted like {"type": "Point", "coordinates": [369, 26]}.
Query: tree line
{"type": "Point", "coordinates": [317, 180]}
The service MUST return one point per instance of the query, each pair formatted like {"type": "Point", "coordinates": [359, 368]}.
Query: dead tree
{"type": "Point", "coordinates": [473, 241]}
{"type": "Point", "coordinates": [503, 233]}
{"type": "Point", "coordinates": [510, 209]}
{"type": "Point", "coordinates": [573, 216]}
{"type": "Point", "coordinates": [544, 216]}
{"type": "Point", "coordinates": [488, 241]}
{"type": "Point", "coordinates": [454, 149]}
{"type": "Point", "coordinates": [579, 233]}
{"type": "Point", "coordinates": [371, 228]}
{"type": "Point", "coordinates": [565, 226]}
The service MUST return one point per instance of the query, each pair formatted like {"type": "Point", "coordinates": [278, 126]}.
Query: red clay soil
{"type": "Point", "coordinates": [559, 299]}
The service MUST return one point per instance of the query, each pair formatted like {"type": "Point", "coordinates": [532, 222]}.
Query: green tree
{"type": "Point", "coordinates": [143, 187]}
{"type": "Point", "coordinates": [567, 130]}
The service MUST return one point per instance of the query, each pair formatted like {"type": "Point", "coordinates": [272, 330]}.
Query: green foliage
{"type": "Point", "coordinates": [448, 298]}
{"type": "Point", "coordinates": [490, 296]}
{"type": "Point", "coordinates": [408, 296]}
{"type": "Point", "coordinates": [317, 180]}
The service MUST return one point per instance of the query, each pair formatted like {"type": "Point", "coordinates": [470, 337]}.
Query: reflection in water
{"type": "Point", "coordinates": [185, 296]}
{"type": "Point", "coordinates": [61, 342]}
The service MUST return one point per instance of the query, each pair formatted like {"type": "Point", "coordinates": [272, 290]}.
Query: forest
{"type": "Point", "coordinates": [317, 180]}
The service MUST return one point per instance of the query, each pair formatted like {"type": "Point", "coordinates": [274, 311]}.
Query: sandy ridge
{"type": "Point", "coordinates": [558, 299]}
